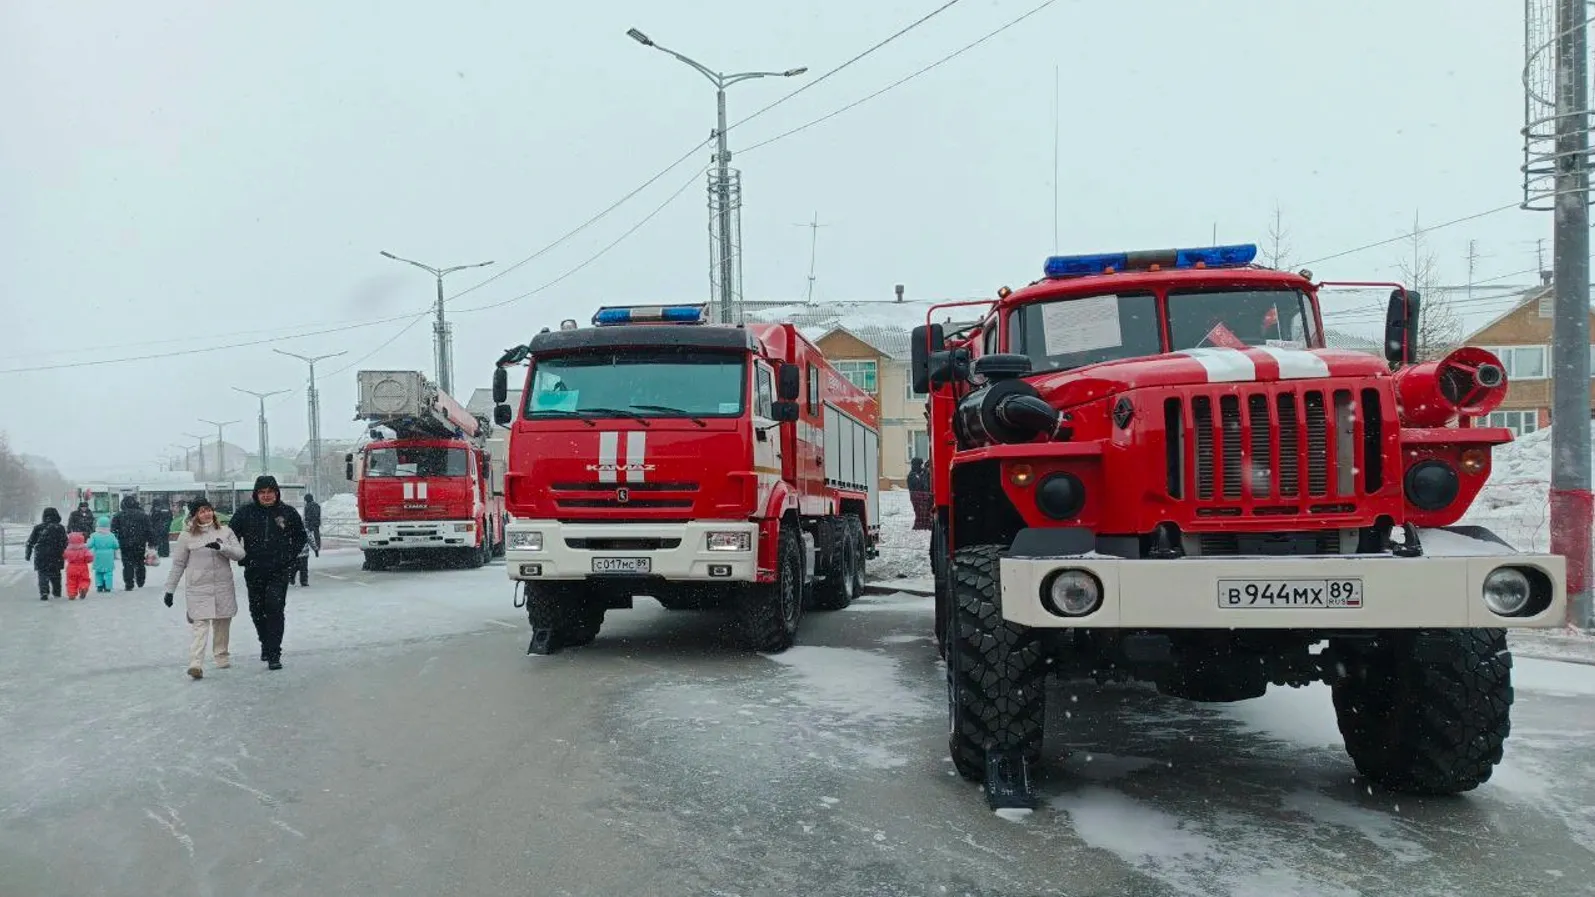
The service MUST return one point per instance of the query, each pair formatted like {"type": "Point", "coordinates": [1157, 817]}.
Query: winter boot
{"type": "Point", "coordinates": [195, 672]}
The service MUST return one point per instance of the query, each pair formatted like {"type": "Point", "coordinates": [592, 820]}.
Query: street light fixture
{"type": "Point", "coordinates": [313, 400]}
{"type": "Point", "coordinates": [443, 341]}
{"type": "Point", "coordinates": [221, 460]}
{"type": "Point", "coordinates": [201, 456]}
{"type": "Point", "coordinates": [265, 442]}
{"type": "Point", "coordinates": [722, 158]}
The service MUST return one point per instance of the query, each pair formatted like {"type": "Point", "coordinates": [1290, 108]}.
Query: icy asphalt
{"type": "Point", "coordinates": [410, 747]}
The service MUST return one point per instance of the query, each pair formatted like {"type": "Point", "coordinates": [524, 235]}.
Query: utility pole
{"type": "Point", "coordinates": [201, 456]}
{"type": "Point", "coordinates": [313, 400]}
{"type": "Point", "coordinates": [1473, 259]}
{"type": "Point", "coordinates": [814, 244]}
{"type": "Point", "coordinates": [265, 441]}
{"type": "Point", "coordinates": [721, 195]}
{"type": "Point", "coordinates": [442, 334]}
{"type": "Point", "coordinates": [221, 460]}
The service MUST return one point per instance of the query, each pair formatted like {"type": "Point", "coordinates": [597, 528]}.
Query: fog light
{"type": "Point", "coordinates": [367, 530]}
{"type": "Point", "coordinates": [464, 527]}
{"type": "Point", "coordinates": [1474, 460]}
{"type": "Point", "coordinates": [1506, 591]}
{"type": "Point", "coordinates": [1072, 593]}
{"type": "Point", "coordinates": [1021, 474]}
{"type": "Point", "coordinates": [1060, 496]}
{"type": "Point", "coordinates": [720, 570]}
{"type": "Point", "coordinates": [1432, 485]}
{"type": "Point", "coordinates": [526, 541]}
{"type": "Point", "coordinates": [741, 540]}
{"type": "Point", "coordinates": [531, 569]}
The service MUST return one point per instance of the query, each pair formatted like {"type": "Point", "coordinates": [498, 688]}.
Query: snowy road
{"type": "Point", "coordinates": [411, 747]}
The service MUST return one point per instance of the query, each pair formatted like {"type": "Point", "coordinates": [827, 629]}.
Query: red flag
{"type": "Point", "coordinates": [1223, 336]}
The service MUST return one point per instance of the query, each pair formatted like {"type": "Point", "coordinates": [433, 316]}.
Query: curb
{"type": "Point", "coordinates": [878, 588]}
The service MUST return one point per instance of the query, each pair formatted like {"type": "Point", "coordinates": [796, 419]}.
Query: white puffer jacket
{"type": "Point", "coordinates": [210, 592]}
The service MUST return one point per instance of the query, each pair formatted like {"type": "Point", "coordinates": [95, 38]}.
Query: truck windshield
{"type": "Point", "coordinates": [1239, 318]}
{"type": "Point", "coordinates": [1071, 333]}
{"type": "Point", "coordinates": [643, 383]}
{"type": "Point", "coordinates": [416, 462]}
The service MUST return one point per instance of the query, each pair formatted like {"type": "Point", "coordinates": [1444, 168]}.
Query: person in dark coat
{"type": "Point", "coordinates": [47, 549]}
{"type": "Point", "coordinates": [919, 492]}
{"type": "Point", "coordinates": [313, 523]}
{"type": "Point", "coordinates": [161, 528]}
{"type": "Point", "coordinates": [131, 527]}
{"type": "Point", "coordinates": [273, 534]}
{"type": "Point", "coordinates": [81, 520]}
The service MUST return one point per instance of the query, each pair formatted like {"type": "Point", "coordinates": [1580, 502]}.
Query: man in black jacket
{"type": "Point", "coordinates": [47, 549]}
{"type": "Point", "coordinates": [161, 528]}
{"type": "Point", "coordinates": [313, 523]}
{"type": "Point", "coordinates": [273, 534]}
{"type": "Point", "coordinates": [131, 527]}
{"type": "Point", "coordinates": [81, 520]}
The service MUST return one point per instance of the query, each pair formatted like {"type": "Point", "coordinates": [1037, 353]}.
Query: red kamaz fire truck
{"type": "Point", "coordinates": [702, 465]}
{"type": "Point", "coordinates": [1147, 465]}
{"type": "Point", "coordinates": [425, 483]}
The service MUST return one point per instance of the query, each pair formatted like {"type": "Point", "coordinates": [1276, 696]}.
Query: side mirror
{"type": "Point", "coordinates": [501, 386]}
{"type": "Point", "coordinates": [922, 344]}
{"type": "Point", "coordinates": [502, 415]}
{"type": "Point", "coordinates": [949, 366]}
{"type": "Point", "coordinates": [1401, 327]}
{"type": "Point", "coordinates": [348, 467]}
{"type": "Point", "coordinates": [788, 383]}
{"type": "Point", "coordinates": [784, 411]}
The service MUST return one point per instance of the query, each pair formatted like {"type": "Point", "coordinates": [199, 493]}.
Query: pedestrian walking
{"type": "Point", "coordinates": [313, 525]}
{"type": "Point", "coordinates": [919, 492]}
{"type": "Point", "coordinates": [47, 549]}
{"type": "Point", "coordinates": [131, 526]}
{"type": "Point", "coordinates": [105, 547]}
{"type": "Point", "coordinates": [205, 552]}
{"type": "Point", "coordinates": [79, 558]}
{"type": "Point", "coordinates": [301, 569]}
{"type": "Point", "coordinates": [161, 528]}
{"type": "Point", "coordinates": [272, 534]}
{"type": "Point", "coordinates": [81, 520]}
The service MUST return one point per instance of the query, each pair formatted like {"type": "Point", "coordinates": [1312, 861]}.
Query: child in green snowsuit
{"type": "Point", "coordinates": [105, 546]}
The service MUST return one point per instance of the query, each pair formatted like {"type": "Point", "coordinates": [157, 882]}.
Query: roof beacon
{"type": "Point", "coordinates": [650, 314]}
{"type": "Point", "coordinates": [1235, 256]}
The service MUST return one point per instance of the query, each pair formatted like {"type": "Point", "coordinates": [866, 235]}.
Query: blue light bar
{"type": "Point", "coordinates": [1234, 256]}
{"type": "Point", "coordinates": [650, 314]}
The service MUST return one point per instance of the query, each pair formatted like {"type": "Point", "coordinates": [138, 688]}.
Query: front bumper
{"type": "Point", "coordinates": [1429, 592]}
{"type": "Point", "coordinates": [422, 534]}
{"type": "Point", "coordinates": [674, 551]}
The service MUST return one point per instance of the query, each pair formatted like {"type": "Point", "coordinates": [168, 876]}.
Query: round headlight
{"type": "Point", "coordinates": [1072, 593]}
{"type": "Point", "coordinates": [1060, 496]}
{"type": "Point", "coordinates": [1432, 485]}
{"type": "Point", "coordinates": [1506, 591]}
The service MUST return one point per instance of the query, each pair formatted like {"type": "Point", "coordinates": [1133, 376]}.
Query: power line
{"type": "Point", "coordinates": [905, 79]}
{"type": "Point", "coordinates": [1409, 234]}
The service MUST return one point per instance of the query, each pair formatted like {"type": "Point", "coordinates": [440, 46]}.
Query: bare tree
{"type": "Point", "coordinates": [1439, 326]}
{"type": "Point", "coordinates": [1278, 241]}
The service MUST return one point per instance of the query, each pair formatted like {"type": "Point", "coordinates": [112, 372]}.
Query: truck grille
{"type": "Point", "coordinates": [1275, 450]}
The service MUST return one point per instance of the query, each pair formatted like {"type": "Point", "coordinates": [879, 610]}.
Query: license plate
{"type": "Point", "coordinates": [622, 565]}
{"type": "Point", "coordinates": [1291, 593]}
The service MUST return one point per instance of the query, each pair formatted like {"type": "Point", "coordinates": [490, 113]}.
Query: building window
{"type": "Point", "coordinates": [1521, 423]}
{"type": "Point", "coordinates": [918, 444]}
{"type": "Point", "coordinates": [862, 374]}
{"type": "Point", "coordinates": [1522, 362]}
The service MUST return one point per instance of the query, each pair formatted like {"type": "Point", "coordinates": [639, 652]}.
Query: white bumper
{"type": "Point", "coordinates": [1394, 593]}
{"type": "Point", "coordinates": [418, 535]}
{"type": "Point", "coordinates": [673, 551]}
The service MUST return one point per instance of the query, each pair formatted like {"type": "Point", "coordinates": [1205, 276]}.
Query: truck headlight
{"type": "Point", "coordinates": [1506, 591]}
{"type": "Point", "coordinates": [526, 541]}
{"type": "Point", "coordinates": [1071, 593]}
{"type": "Point", "coordinates": [465, 527]}
{"type": "Point", "coordinates": [742, 540]}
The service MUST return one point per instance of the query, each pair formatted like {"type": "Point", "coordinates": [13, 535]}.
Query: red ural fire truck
{"type": "Point", "coordinates": [1147, 466]}
{"type": "Point", "coordinates": [425, 483]}
{"type": "Point", "coordinates": [703, 465]}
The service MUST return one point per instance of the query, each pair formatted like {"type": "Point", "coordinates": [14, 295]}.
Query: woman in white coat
{"type": "Point", "coordinates": [206, 550]}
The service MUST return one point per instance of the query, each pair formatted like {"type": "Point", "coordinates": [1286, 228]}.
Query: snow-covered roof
{"type": "Point", "coordinates": [1530, 295]}
{"type": "Point", "coordinates": [883, 325]}
{"type": "Point", "coordinates": [1340, 339]}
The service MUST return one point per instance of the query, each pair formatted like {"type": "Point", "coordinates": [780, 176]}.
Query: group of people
{"type": "Point", "coordinates": [267, 538]}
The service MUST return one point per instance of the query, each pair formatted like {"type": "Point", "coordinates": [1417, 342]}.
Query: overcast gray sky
{"type": "Point", "coordinates": [178, 172]}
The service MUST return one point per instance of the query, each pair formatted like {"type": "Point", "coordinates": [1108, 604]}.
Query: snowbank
{"type": "Point", "coordinates": [905, 551]}
{"type": "Point", "coordinates": [340, 516]}
{"type": "Point", "coordinates": [1515, 503]}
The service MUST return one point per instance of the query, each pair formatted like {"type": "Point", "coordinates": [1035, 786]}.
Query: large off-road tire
{"type": "Point", "coordinates": [996, 670]}
{"type": "Point", "coordinates": [860, 543]}
{"type": "Point", "coordinates": [474, 557]}
{"type": "Point", "coordinates": [376, 561]}
{"type": "Point", "coordinates": [834, 560]}
{"type": "Point", "coordinates": [938, 569]}
{"type": "Point", "coordinates": [1427, 712]}
{"type": "Point", "coordinates": [574, 619]}
{"type": "Point", "coordinates": [769, 612]}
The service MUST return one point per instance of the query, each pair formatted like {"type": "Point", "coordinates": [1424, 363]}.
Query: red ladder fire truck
{"type": "Point", "coordinates": [1147, 466]}
{"type": "Point", "coordinates": [702, 465]}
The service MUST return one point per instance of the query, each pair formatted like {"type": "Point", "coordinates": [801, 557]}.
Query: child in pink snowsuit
{"type": "Point", "coordinates": [78, 558]}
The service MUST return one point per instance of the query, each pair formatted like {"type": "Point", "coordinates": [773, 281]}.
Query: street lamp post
{"type": "Point", "coordinates": [313, 399]}
{"type": "Point", "coordinates": [201, 456]}
{"type": "Point", "coordinates": [722, 159]}
{"type": "Point", "coordinates": [221, 460]}
{"type": "Point", "coordinates": [443, 341]}
{"type": "Point", "coordinates": [265, 441]}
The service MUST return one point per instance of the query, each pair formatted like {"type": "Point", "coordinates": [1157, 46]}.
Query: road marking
{"type": "Point", "coordinates": [503, 624]}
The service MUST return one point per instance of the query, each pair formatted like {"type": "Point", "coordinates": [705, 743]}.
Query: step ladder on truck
{"type": "Point", "coordinates": [425, 482]}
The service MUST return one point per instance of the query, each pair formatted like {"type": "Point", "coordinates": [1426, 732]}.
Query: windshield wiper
{"type": "Point", "coordinates": [618, 412]}
{"type": "Point", "coordinates": [666, 409]}
{"type": "Point", "coordinates": [575, 414]}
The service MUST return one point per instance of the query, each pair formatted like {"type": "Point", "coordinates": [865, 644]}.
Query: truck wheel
{"type": "Point", "coordinates": [938, 570]}
{"type": "Point", "coordinates": [1427, 712]}
{"type": "Point", "coordinates": [475, 556]}
{"type": "Point", "coordinates": [996, 670]}
{"type": "Point", "coordinates": [836, 560]}
{"type": "Point", "coordinates": [375, 560]}
{"type": "Point", "coordinates": [856, 537]}
{"type": "Point", "coordinates": [562, 611]}
{"type": "Point", "coordinates": [770, 611]}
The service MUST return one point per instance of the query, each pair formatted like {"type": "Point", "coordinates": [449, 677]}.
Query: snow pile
{"type": "Point", "coordinates": [904, 551]}
{"type": "Point", "coordinates": [340, 516]}
{"type": "Point", "coordinates": [1515, 503]}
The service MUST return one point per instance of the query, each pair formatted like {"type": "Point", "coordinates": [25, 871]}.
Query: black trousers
{"type": "Point", "coordinates": [268, 599]}
{"type": "Point", "coordinates": [133, 570]}
{"type": "Point", "coordinates": [315, 539]}
{"type": "Point", "coordinates": [50, 582]}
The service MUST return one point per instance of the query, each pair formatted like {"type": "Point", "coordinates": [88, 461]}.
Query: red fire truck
{"type": "Point", "coordinates": [702, 465]}
{"type": "Point", "coordinates": [425, 483]}
{"type": "Point", "coordinates": [1147, 465]}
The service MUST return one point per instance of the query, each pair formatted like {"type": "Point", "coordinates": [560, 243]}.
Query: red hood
{"type": "Point", "coordinates": [416, 498]}
{"type": "Point", "coordinates": [672, 469]}
{"type": "Point", "coordinates": [1204, 366]}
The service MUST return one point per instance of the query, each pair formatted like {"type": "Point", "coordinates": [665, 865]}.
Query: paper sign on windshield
{"type": "Point", "coordinates": [557, 400]}
{"type": "Point", "coordinates": [1081, 325]}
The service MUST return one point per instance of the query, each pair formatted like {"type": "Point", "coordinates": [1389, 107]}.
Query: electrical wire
{"type": "Point", "coordinates": [1408, 235]}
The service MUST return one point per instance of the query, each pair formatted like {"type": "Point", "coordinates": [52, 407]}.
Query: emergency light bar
{"type": "Point", "coordinates": [1234, 256]}
{"type": "Point", "coordinates": [650, 314]}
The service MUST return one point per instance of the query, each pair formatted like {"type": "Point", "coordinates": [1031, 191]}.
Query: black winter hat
{"type": "Point", "coordinates": [196, 504]}
{"type": "Point", "coordinates": [51, 515]}
{"type": "Point", "coordinates": [266, 481]}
